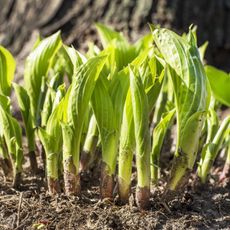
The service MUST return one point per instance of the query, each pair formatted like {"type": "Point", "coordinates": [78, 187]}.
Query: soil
{"type": "Point", "coordinates": [30, 207]}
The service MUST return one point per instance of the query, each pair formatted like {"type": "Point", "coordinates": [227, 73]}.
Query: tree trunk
{"type": "Point", "coordinates": [20, 19]}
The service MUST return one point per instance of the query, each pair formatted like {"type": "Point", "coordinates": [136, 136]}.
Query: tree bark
{"type": "Point", "coordinates": [75, 18]}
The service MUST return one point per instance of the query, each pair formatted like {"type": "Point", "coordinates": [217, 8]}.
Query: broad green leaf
{"type": "Point", "coordinates": [5, 103]}
{"type": "Point", "coordinates": [74, 60]}
{"type": "Point", "coordinates": [213, 123]}
{"type": "Point", "coordinates": [104, 112]}
{"type": "Point", "coordinates": [141, 126]}
{"type": "Point", "coordinates": [190, 140]}
{"type": "Point", "coordinates": [220, 84]}
{"type": "Point", "coordinates": [159, 133]}
{"type": "Point", "coordinates": [107, 34]}
{"type": "Point", "coordinates": [82, 88]}
{"type": "Point", "coordinates": [79, 97]}
{"type": "Point", "coordinates": [24, 105]}
{"type": "Point", "coordinates": [192, 96]}
{"type": "Point", "coordinates": [187, 74]}
{"type": "Point", "coordinates": [7, 69]}
{"type": "Point", "coordinates": [68, 139]}
{"type": "Point", "coordinates": [212, 148]}
{"type": "Point", "coordinates": [202, 50]}
{"type": "Point", "coordinates": [126, 147]}
{"type": "Point", "coordinates": [46, 140]}
{"type": "Point", "coordinates": [36, 68]}
{"type": "Point", "coordinates": [144, 43]}
{"type": "Point", "coordinates": [12, 133]}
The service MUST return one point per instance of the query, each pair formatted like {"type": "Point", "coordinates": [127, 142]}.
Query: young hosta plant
{"type": "Point", "coordinates": [116, 91]}
{"type": "Point", "coordinates": [192, 98]}
{"type": "Point", "coordinates": [152, 83]}
{"type": "Point", "coordinates": [142, 139]}
{"type": "Point", "coordinates": [5, 160]}
{"type": "Point", "coordinates": [109, 94]}
{"type": "Point", "coordinates": [126, 150]}
{"type": "Point", "coordinates": [24, 105]}
{"type": "Point", "coordinates": [106, 120]}
{"type": "Point", "coordinates": [11, 131]}
{"type": "Point", "coordinates": [78, 102]}
{"type": "Point", "coordinates": [51, 138]}
{"type": "Point", "coordinates": [212, 148]}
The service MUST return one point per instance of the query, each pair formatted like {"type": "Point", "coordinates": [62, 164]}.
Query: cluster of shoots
{"type": "Point", "coordinates": [113, 109]}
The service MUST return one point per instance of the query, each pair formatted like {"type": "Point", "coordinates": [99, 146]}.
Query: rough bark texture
{"type": "Point", "coordinates": [20, 21]}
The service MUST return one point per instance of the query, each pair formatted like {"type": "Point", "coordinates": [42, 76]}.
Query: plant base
{"type": "Point", "coordinates": [6, 166]}
{"type": "Point", "coordinates": [71, 178]}
{"type": "Point", "coordinates": [72, 184]}
{"type": "Point", "coordinates": [42, 154]}
{"type": "Point", "coordinates": [33, 162]}
{"type": "Point", "coordinates": [85, 160]}
{"type": "Point", "coordinates": [17, 180]}
{"type": "Point", "coordinates": [53, 185]}
{"type": "Point", "coordinates": [142, 197]}
{"type": "Point", "coordinates": [123, 191]}
{"type": "Point", "coordinates": [107, 183]}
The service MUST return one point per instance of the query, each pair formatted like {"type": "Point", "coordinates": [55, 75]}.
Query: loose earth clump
{"type": "Point", "coordinates": [30, 207]}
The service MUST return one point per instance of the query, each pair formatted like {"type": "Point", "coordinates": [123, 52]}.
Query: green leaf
{"type": "Point", "coordinates": [159, 133]}
{"type": "Point", "coordinates": [82, 88]}
{"type": "Point", "coordinates": [141, 126]}
{"type": "Point", "coordinates": [192, 96]}
{"type": "Point", "coordinates": [24, 105]}
{"type": "Point", "coordinates": [73, 59]}
{"type": "Point", "coordinates": [79, 97]}
{"type": "Point", "coordinates": [5, 103]}
{"type": "Point", "coordinates": [220, 84]}
{"type": "Point", "coordinates": [202, 50]}
{"type": "Point", "coordinates": [36, 68]}
{"type": "Point", "coordinates": [68, 139]}
{"type": "Point", "coordinates": [190, 138]}
{"type": "Point", "coordinates": [46, 140]}
{"type": "Point", "coordinates": [104, 112]}
{"type": "Point", "coordinates": [11, 130]}
{"type": "Point", "coordinates": [107, 34]}
{"type": "Point", "coordinates": [7, 69]}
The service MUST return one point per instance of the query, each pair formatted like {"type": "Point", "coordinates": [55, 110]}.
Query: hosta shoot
{"type": "Point", "coordinates": [191, 95]}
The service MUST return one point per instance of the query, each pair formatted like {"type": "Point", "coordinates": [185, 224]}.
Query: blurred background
{"type": "Point", "coordinates": [22, 20]}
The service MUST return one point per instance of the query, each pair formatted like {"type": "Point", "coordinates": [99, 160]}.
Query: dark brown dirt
{"type": "Point", "coordinates": [206, 207]}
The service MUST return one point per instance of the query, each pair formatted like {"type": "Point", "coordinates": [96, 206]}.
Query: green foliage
{"type": "Point", "coordinates": [37, 66]}
{"type": "Point", "coordinates": [220, 84]}
{"type": "Point", "coordinates": [191, 92]}
{"type": "Point", "coordinates": [115, 99]}
{"type": "Point", "coordinates": [7, 69]}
